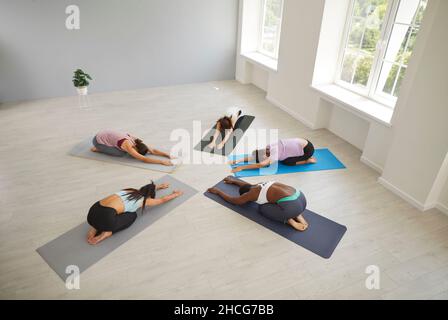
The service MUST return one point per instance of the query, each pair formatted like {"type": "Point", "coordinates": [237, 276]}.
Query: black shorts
{"type": "Point", "coordinates": [107, 219]}
{"type": "Point", "coordinates": [308, 152]}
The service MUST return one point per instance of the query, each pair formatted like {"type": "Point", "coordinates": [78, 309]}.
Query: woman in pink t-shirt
{"type": "Point", "coordinates": [118, 144]}
{"type": "Point", "coordinates": [290, 152]}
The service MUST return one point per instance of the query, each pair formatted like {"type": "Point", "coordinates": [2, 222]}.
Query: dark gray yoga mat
{"type": "Point", "coordinates": [82, 150]}
{"type": "Point", "coordinates": [240, 128]}
{"type": "Point", "coordinates": [321, 237]}
{"type": "Point", "coordinates": [72, 248]}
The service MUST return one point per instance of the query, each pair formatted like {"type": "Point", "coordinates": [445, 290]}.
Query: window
{"type": "Point", "coordinates": [378, 43]}
{"type": "Point", "coordinates": [270, 27]}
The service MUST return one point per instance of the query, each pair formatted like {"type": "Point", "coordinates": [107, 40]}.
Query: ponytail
{"type": "Point", "coordinates": [145, 192]}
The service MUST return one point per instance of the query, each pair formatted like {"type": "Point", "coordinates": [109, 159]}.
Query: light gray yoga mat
{"type": "Point", "coordinates": [322, 236]}
{"type": "Point", "coordinates": [82, 150]}
{"type": "Point", "coordinates": [72, 248]}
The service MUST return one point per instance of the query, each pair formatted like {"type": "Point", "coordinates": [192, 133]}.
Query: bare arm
{"type": "Point", "coordinates": [262, 164]}
{"type": "Point", "coordinates": [233, 200]}
{"type": "Point", "coordinates": [244, 159]}
{"type": "Point", "coordinates": [159, 153]}
{"type": "Point", "coordinates": [159, 201]}
{"type": "Point", "coordinates": [226, 138]}
{"type": "Point", "coordinates": [133, 153]}
{"type": "Point", "coordinates": [215, 136]}
{"type": "Point", "coordinates": [235, 181]}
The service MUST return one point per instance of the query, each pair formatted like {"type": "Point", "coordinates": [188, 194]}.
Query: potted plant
{"type": "Point", "coordinates": [81, 81]}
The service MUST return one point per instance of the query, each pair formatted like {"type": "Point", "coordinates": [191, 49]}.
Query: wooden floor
{"type": "Point", "coordinates": [201, 249]}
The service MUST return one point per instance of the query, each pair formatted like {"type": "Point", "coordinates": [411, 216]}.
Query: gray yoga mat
{"type": "Point", "coordinates": [242, 124]}
{"type": "Point", "coordinates": [72, 248]}
{"type": "Point", "coordinates": [82, 150]}
{"type": "Point", "coordinates": [321, 237]}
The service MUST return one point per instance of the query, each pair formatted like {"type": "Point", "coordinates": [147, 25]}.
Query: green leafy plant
{"type": "Point", "coordinates": [80, 78]}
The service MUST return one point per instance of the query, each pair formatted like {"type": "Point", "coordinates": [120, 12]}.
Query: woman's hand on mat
{"type": "Point", "coordinates": [237, 169]}
{"type": "Point", "coordinates": [211, 145]}
{"type": "Point", "coordinates": [229, 180]}
{"type": "Point", "coordinates": [220, 146]}
{"type": "Point", "coordinates": [177, 193]}
{"type": "Point", "coordinates": [213, 190]}
{"type": "Point", "coordinates": [163, 186]}
{"type": "Point", "coordinates": [166, 163]}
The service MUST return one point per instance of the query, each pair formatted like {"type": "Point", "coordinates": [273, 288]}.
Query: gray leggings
{"type": "Point", "coordinates": [112, 151]}
{"type": "Point", "coordinates": [283, 211]}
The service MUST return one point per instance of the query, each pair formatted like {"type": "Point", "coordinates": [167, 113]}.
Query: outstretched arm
{"type": "Point", "coordinates": [262, 164]}
{"type": "Point", "coordinates": [235, 181]}
{"type": "Point", "coordinates": [212, 143]}
{"type": "Point", "coordinates": [233, 200]}
{"type": "Point", "coordinates": [133, 153]}
{"type": "Point", "coordinates": [244, 159]}
{"type": "Point", "coordinates": [159, 201]}
{"type": "Point", "coordinates": [226, 138]}
{"type": "Point", "coordinates": [159, 153]}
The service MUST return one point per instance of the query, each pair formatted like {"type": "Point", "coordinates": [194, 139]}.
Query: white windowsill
{"type": "Point", "coordinates": [262, 60]}
{"type": "Point", "coordinates": [355, 103]}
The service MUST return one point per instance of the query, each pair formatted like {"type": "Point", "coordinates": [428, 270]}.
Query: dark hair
{"type": "Point", "coordinates": [145, 192]}
{"type": "Point", "coordinates": [258, 154]}
{"type": "Point", "coordinates": [141, 147]}
{"type": "Point", "coordinates": [226, 123]}
{"type": "Point", "coordinates": [244, 189]}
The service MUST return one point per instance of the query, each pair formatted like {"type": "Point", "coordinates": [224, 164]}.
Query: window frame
{"type": "Point", "coordinates": [370, 90]}
{"type": "Point", "coordinates": [261, 32]}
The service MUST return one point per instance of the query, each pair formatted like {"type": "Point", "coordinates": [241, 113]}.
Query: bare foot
{"type": "Point", "coordinates": [304, 224]}
{"type": "Point", "coordinates": [93, 149]}
{"type": "Point", "coordinates": [297, 225]}
{"type": "Point", "coordinates": [91, 234]}
{"type": "Point", "coordinates": [101, 237]}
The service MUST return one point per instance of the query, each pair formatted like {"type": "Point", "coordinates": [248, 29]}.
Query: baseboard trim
{"type": "Point", "coordinates": [372, 164]}
{"type": "Point", "coordinates": [240, 80]}
{"type": "Point", "coordinates": [389, 186]}
{"type": "Point", "coordinates": [293, 114]}
{"type": "Point", "coordinates": [442, 208]}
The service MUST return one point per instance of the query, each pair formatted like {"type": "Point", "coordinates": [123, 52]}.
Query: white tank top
{"type": "Point", "coordinates": [263, 196]}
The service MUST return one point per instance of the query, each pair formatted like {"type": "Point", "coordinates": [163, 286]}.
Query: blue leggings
{"type": "Point", "coordinates": [112, 151]}
{"type": "Point", "coordinates": [283, 211]}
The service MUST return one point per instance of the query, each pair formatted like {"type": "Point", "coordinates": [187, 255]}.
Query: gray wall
{"type": "Point", "coordinates": [123, 44]}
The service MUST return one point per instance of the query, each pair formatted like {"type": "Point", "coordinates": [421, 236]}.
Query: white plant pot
{"type": "Point", "coordinates": [82, 91]}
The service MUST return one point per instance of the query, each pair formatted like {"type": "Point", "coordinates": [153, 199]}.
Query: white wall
{"type": "Point", "coordinates": [122, 44]}
{"type": "Point", "coordinates": [290, 86]}
{"type": "Point", "coordinates": [305, 39]}
{"type": "Point", "coordinates": [443, 199]}
{"type": "Point", "coordinates": [420, 132]}
{"type": "Point", "coordinates": [410, 153]}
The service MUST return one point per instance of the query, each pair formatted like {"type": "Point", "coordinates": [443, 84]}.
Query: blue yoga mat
{"type": "Point", "coordinates": [325, 161]}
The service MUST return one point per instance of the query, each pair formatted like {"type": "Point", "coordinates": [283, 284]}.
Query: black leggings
{"type": "Point", "coordinates": [283, 211]}
{"type": "Point", "coordinates": [308, 152]}
{"type": "Point", "coordinates": [106, 219]}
